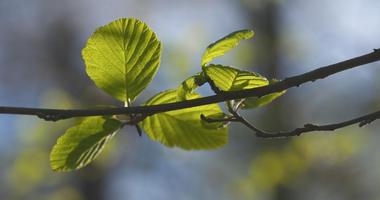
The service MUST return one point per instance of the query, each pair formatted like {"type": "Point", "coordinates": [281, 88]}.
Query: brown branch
{"type": "Point", "coordinates": [362, 121]}
{"type": "Point", "coordinates": [320, 73]}
{"type": "Point", "coordinates": [213, 120]}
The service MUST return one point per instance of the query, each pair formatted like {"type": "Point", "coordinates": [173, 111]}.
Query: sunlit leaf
{"type": "Point", "coordinates": [82, 143]}
{"type": "Point", "coordinates": [122, 57]}
{"type": "Point", "coordinates": [188, 86]}
{"type": "Point", "coordinates": [184, 128]}
{"type": "Point", "coordinates": [231, 79]}
{"type": "Point", "coordinates": [254, 102]}
{"type": "Point", "coordinates": [224, 44]}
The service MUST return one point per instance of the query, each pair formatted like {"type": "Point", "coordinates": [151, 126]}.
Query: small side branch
{"type": "Point", "coordinates": [213, 120]}
{"type": "Point", "coordinates": [361, 121]}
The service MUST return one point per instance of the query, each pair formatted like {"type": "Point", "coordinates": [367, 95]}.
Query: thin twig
{"type": "Point", "coordinates": [362, 121]}
{"type": "Point", "coordinates": [139, 130]}
{"type": "Point", "coordinates": [320, 73]}
{"type": "Point", "coordinates": [213, 120]}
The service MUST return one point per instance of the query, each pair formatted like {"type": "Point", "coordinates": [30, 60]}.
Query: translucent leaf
{"type": "Point", "coordinates": [231, 79]}
{"type": "Point", "coordinates": [122, 57]}
{"type": "Point", "coordinates": [223, 45]}
{"type": "Point", "coordinates": [82, 143]}
{"type": "Point", "coordinates": [184, 128]}
{"type": "Point", "coordinates": [188, 86]}
{"type": "Point", "coordinates": [254, 102]}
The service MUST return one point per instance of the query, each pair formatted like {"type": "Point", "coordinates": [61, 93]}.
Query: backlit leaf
{"type": "Point", "coordinates": [184, 128]}
{"type": "Point", "coordinates": [188, 86]}
{"type": "Point", "coordinates": [82, 143]}
{"type": "Point", "coordinates": [231, 79]}
{"type": "Point", "coordinates": [122, 57]}
{"type": "Point", "coordinates": [254, 102]}
{"type": "Point", "coordinates": [224, 44]}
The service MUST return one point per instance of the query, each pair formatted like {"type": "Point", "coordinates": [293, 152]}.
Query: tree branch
{"type": "Point", "coordinates": [320, 73]}
{"type": "Point", "coordinates": [362, 121]}
{"type": "Point", "coordinates": [213, 120]}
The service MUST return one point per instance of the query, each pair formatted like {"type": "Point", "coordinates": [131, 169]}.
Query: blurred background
{"type": "Point", "coordinates": [41, 66]}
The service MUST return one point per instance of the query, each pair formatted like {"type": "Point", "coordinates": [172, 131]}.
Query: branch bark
{"type": "Point", "coordinates": [320, 73]}
{"type": "Point", "coordinates": [362, 121]}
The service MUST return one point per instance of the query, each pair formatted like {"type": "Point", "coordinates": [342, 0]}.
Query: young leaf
{"type": "Point", "coordinates": [122, 57]}
{"type": "Point", "coordinates": [254, 102]}
{"type": "Point", "coordinates": [224, 44]}
{"type": "Point", "coordinates": [187, 87]}
{"type": "Point", "coordinates": [184, 128]}
{"type": "Point", "coordinates": [231, 79]}
{"type": "Point", "coordinates": [82, 143]}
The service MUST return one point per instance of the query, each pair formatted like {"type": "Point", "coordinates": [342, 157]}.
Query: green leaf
{"type": "Point", "coordinates": [254, 102]}
{"type": "Point", "coordinates": [122, 57]}
{"type": "Point", "coordinates": [231, 79]}
{"type": "Point", "coordinates": [225, 44]}
{"type": "Point", "coordinates": [82, 143]}
{"type": "Point", "coordinates": [188, 86]}
{"type": "Point", "coordinates": [184, 128]}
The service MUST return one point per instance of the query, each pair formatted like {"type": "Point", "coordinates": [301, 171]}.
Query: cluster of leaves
{"type": "Point", "coordinates": [122, 58]}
